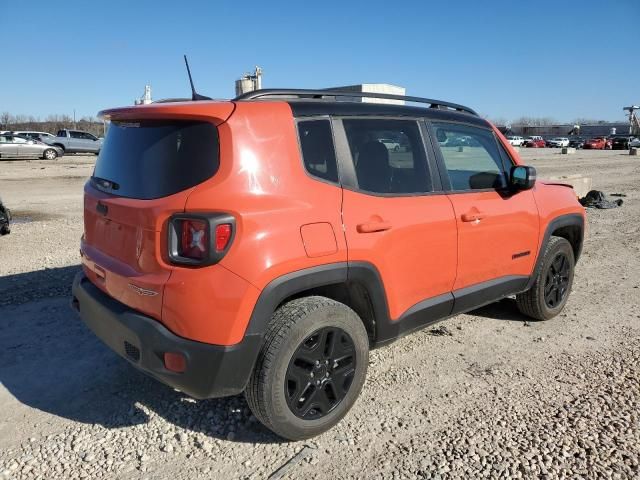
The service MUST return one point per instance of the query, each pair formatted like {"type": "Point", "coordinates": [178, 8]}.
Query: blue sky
{"type": "Point", "coordinates": [504, 59]}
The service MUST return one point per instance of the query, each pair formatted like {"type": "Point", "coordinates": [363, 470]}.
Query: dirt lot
{"type": "Point", "coordinates": [490, 396]}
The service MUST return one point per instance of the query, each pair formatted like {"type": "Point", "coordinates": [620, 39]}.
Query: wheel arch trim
{"type": "Point", "coordinates": [289, 284]}
{"type": "Point", "coordinates": [567, 220]}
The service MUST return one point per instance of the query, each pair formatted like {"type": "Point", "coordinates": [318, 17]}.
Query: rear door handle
{"type": "Point", "coordinates": [473, 216]}
{"type": "Point", "coordinates": [372, 227]}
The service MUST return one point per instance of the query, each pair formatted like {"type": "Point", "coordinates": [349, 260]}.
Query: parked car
{"type": "Point", "coordinates": [17, 146]}
{"type": "Point", "coordinates": [460, 141]}
{"type": "Point", "coordinates": [40, 136]}
{"type": "Point", "coordinates": [596, 143]}
{"type": "Point", "coordinates": [620, 142]}
{"type": "Point", "coordinates": [635, 143]}
{"type": "Point", "coordinates": [515, 140]}
{"type": "Point", "coordinates": [535, 142]}
{"type": "Point", "coordinates": [576, 142]}
{"type": "Point", "coordinates": [390, 144]}
{"type": "Point", "coordinates": [558, 142]}
{"type": "Point", "coordinates": [232, 246]}
{"type": "Point", "coordinates": [75, 141]}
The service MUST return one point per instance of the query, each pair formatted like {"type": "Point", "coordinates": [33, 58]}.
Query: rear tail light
{"type": "Point", "coordinates": [223, 235]}
{"type": "Point", "coordinates": [199, 239]}
{"type": "Point", "coordinates": [193, 241]}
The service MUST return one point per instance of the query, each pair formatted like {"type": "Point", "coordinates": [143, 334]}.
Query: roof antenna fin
{"type": "Point", "coordinates": [195, 96]}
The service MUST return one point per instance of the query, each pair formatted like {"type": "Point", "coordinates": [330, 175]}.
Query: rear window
{"type": "Point", "coordinates": [318, 154]}
{"type": "Point", "coordinates": [153, 159]}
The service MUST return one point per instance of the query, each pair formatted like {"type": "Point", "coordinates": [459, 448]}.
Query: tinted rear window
{"type": "Point", "coordinates": [154, 159]}
{"type": "Point", "coordinates": [317, 149]}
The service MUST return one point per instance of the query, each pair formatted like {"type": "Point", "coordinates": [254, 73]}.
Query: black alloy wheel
{"type": "Point", "coordinates": [320, 373]}
{"type": "Point", "coordinates": [552, 283]}
{"type": "Point", "coordinates": [556, 282]}
{"type": "Point", "coordinates": [310, 369]}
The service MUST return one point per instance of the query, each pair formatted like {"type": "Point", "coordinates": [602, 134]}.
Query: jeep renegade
{"type": "Point", "coordinates": [265, 244]}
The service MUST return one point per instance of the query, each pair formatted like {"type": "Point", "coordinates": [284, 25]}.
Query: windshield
{"type": "Point", "coordinates": [153, 159]}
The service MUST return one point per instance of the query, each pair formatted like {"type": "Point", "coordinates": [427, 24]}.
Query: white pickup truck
{"type": "Point", "coordinates": [75, 141]}
{"type": "Point", "coordinates": [515, 140]}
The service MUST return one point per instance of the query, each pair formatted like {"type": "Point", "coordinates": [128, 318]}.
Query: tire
{"type": "Point", "coordinates": [61, 147]}
{"type": "Point", "coordinates": [554, 278]}
{"type": "Point", "coordinates": [49, 154]}
{"type": "Point", "coordinates": [396, 148]}
{"type": "Point", "coordinates": [5, 229]}
{"type": "Point", "coordinates": [305, 327]}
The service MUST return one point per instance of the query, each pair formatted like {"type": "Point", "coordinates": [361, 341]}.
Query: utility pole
{"type": "Point", "coordinates": [74, 119]}
{"type": "Point", "coordinates": [634, 124]}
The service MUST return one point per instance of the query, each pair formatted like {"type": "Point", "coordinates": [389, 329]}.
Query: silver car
{"type": "Point", "coordinates": [16, 146]}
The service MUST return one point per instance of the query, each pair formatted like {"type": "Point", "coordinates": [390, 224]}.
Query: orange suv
{"type": "Point", "coordinates": [265, 244]}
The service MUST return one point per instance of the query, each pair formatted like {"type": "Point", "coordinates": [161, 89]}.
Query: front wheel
{"type": "Point", "coordinates": [311, 367]}
{"type": "Point", "coordinates": [49, 154]}
{"type": "Point", "coordinates": [550, 291]}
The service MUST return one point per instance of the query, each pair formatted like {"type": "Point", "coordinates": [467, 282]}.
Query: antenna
{"type": "Point", "coordinates": [195, 96]}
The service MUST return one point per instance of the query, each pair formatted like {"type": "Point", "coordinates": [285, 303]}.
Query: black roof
{"type": "Point", "coordinates": [307, 108]}
{"type": "Point", "coordinates": [344, 102]}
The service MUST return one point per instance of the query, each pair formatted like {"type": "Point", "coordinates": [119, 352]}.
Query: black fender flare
{"type": "Point", "coordinates": [365, 288]}
{"type": "Point", "coordinates": [276, 291]}
{"type": "Point", "coordinates": [568, 220]}
{"type": "Point", "coordinates": [289, 284]}
{"type": "Point", "coordinates": [347, 273]}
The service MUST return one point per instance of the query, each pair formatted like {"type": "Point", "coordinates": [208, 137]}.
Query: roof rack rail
{"type": "Point", "coordinates": [329, 92]}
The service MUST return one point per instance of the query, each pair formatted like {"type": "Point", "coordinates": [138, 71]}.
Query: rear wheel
{"type": "Point", "coordinates": [49, 154]}
{"type": "Point", "coordinates": [550, 291]}
{"type": "Point", "coordinates": [311, 368]}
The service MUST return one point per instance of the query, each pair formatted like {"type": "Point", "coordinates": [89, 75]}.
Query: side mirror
{"type": "Point", "coordinates": [522, 177]}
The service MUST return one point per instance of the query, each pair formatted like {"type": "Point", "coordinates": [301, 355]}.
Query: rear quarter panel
{"type": "Point", "coordinates": [263, 184]}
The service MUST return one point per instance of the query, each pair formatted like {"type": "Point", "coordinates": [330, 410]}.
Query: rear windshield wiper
{"type": "Point", "coordinates": [104, 183]}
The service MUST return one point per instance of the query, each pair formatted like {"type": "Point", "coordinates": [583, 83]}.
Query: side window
{"type": "Point", "coordinates": [507, 163]}
{"type": "Point", "coordinates": [76, 134]}
{"type": "Point", "coordinates": [318, 153]}
{"type": "Point", "coordinates": [472, 157]}
{"type": "Point", "coordinates": [61, 133]}
{"type": "Point", "coordinates": [388, 155]}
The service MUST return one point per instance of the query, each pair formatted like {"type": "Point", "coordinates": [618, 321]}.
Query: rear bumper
{"type": "Point", "coordinates": [211, 370]}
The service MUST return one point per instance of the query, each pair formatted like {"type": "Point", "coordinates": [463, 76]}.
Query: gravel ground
{"type": "Point", "coordinates": [483, 395]}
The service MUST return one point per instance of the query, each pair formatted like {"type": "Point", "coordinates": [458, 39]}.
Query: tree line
{"type": "Point", "coordinates": [546, 121]}
{"type": "Point", "coordinates": [50, 124]}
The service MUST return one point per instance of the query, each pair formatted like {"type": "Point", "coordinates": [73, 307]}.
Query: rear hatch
{"type": "Point", "coordinates": [145, 172]}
